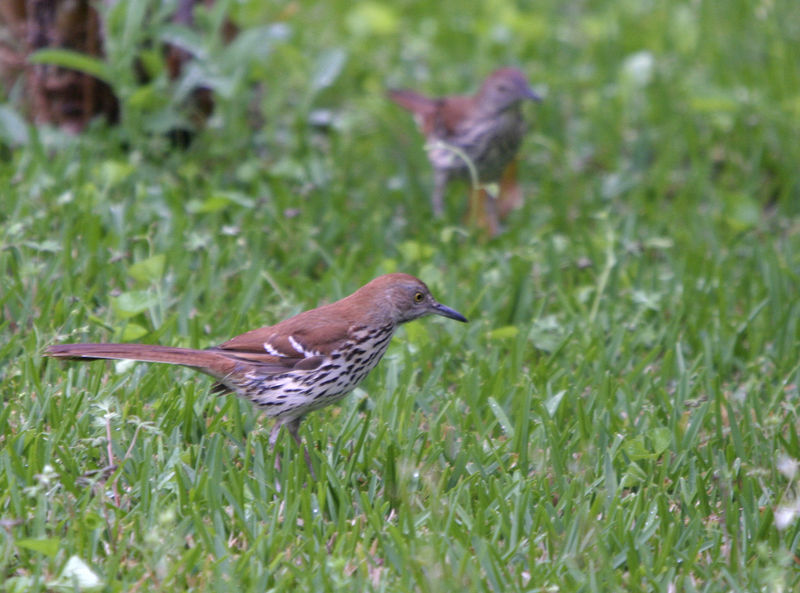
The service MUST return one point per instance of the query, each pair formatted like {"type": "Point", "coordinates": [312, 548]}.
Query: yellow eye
{"type": "Point", "coordinates": [418, 297]}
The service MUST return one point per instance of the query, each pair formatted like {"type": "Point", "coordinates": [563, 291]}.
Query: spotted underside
{"type": "Point", "coordinates": [490, 143]}
{"type": "Point", "coordinates": [316, 380]}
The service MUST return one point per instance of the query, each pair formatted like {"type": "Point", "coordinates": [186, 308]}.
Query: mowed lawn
{"type": "Point", "coordinates": [621, 412]}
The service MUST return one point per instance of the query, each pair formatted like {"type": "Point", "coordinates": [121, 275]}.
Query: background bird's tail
{"type": "Point", "coordinates": [413, 101]}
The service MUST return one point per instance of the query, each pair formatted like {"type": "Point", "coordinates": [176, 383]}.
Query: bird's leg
{"type": "Point", "coordinates": [439, 186]}
{"type": "Point", "coordinates": [273, 439]}
{"type": "Point", "coordinates": [483, 210]}
{"type": "Point", "coordinates": [294, 426]}
{"type": "Point", "coordinates": [510, 195]}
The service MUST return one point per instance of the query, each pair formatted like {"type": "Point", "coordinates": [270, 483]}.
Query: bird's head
{"type": "Point", "coordinates": [505, 88]}
{"type": "Point", "coordinates": [404, 298]}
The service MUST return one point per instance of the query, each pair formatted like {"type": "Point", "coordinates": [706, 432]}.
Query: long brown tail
{"type": "Point", "coordinates": [413, 101]}
{"type": "Point", "coordinates": [213, 363]}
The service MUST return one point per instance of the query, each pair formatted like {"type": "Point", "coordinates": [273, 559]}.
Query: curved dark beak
{"type": "Point", "coordinates": [445, 311]}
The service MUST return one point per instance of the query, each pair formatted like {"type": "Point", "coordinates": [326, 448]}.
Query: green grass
{"type": "Point", "coordinates": [619, 414]}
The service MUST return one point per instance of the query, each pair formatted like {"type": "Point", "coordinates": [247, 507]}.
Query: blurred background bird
{"type": "Point", "coordinates": [475, 137]}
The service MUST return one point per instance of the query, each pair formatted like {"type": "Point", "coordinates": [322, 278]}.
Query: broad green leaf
{"type": "Point", "coordinates": [114, 172]}
{"type": "Point", "coordinates": [256, 43]}
{"type": "Point", "coordinates": [635, 448]}
{"type": "Point", "coordinates": [328, 67]}
{"type": "Point", "coordinates": [144, 97]}
{"type": "Point", "coordinates": [132, 332]}
{"type": "Point", "coordinates": [219, 201]}
{"type": "Point", "coordinates": [148, 270]}
{"type": "Point", "coordinates": [742, 211]}
{"type": "Point", "coordinates": [372, 18]}
{"type": "Point", "coordinates": [207, 206]}
{"type": "Point", "coordinates": [502, 417]}
{"type": "Point", "coordinates": [552, 404]}
{"type": "Point", "coordinates": [184, 38]}
{"type": "Point", "coordinates": [633, 475]}
{"type": "Point", "coordinates": [48, 245]}
{"type": "Point", "coordinates": [47, 546]}
{"type": "Point", "coordinates": [129, 304]}
{"type": "Point", "coordinates": [504, 333]}
{"type": "Point", "coordinates": [660, 438]}
{"type": "Point", "coordinates": [238, 198]}
{"type": "Point", "coordinates": [415, 251]}
{"type": "Point", "coordinates": [73, 60]}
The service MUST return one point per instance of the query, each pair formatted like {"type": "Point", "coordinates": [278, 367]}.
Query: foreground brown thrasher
{"type": "Point", "coordinates": [486, 128]}
{"type": "Point", "coordinates": [304, 363]}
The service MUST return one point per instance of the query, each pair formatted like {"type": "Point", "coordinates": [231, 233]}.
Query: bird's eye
{"type": "Point", "coordinates": [418, 297]}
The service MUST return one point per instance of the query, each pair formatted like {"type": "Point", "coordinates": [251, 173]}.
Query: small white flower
{"type": "Point", "coordinates": [787, 466]}
{"type": "Point", "coordinates": [639, 67]}
{"type": "Point", "coordinates": [785, 516]}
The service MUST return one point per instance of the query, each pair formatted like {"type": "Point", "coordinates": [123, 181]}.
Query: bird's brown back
{"type": "Point", "coordinates": [435, 117]}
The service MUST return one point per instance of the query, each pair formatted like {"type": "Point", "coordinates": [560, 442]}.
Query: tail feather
{"type": "Point", "coordinates": [214, 363]}
{"type": "Point", "coordinates": [413, 101]}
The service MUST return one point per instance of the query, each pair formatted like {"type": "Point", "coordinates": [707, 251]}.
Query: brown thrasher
{"type": "Point", "coordinates": [304, 363]}
{"type": "Point", "coordinates": [486, 128]}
